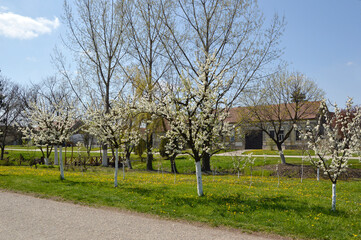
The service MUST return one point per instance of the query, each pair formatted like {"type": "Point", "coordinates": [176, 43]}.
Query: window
{"type": "Point", "coordinates": [272, 133]}
{"type": "Point", "coordinates": [233, 135]}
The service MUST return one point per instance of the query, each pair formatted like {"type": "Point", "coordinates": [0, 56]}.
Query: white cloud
{"type": "Point", "coordinates": [350, 63]}
{"type": "Point", "coordinates": [16, 26]}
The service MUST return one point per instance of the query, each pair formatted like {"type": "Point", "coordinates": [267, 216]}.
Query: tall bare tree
{"type": "Point", "coordinates": [280, 103]}
{"type": "Point", "coordinates": [233, 32]}
{"type": "Point", "coordinates": [96, 37]}
{"type": "Point", "coordinates": [146, 48]}
{"type": "Point", "coordinates": [11, 106]}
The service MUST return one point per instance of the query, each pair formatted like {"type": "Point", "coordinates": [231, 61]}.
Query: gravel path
{"type": "Point", "coordinates": [27, 217]}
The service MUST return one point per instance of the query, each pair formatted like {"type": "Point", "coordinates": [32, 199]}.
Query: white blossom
{"type": "Point", "coordinates": [114, 127]}
{"type": "Point", "coordinates": [195, 112]}
{"type": "Point", "coordinates": [334, 139]}
{"type": "Point", "coordinates": [50, 124]}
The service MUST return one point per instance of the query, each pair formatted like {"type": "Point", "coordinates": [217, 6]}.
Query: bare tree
{"type": "Point", "coordinates": [11, 106]}
{"type": "Point", "coordinates": [54, 90]}
{"type": "Point", "coordinates": [146, 48]}
{"type": "Point", "coordinates": [231, 31]}
{"type": "Point", "coordinates": [96, 37]}
{"type": "Point", "coordinates": [280, 103]}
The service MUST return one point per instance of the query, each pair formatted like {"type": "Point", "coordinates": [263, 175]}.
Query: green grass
{"type": "Point", "coordinates": [275, 152]}
{"type": "Point", "coordinates": [14, 155]}
{"type": "Point", "coordinates": [293, 209]}
{"type": "Point", "coordinates": [185, 164]}
{"type": "Point", "coordinates": [24, 147]}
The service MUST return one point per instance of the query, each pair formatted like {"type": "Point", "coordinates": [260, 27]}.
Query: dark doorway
{"type": "Point", "coordinates": [254, 140]}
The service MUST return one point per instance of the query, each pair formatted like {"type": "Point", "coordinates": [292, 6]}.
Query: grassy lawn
{"type": "Point", "coordinates": [293, 209]}
{"type": "Point", "coordinates": [275, 152]}
{"type": "Point", "coordinates": [13, 153]}
{"type": "Point", "coordinates": [24, 147]}
{"type": "Point", "coordinates": [185, 164]}
{"type": "Point", "coordinates": [224, 164]}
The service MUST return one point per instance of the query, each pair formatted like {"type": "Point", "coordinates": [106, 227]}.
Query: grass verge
{"type": "Point", "coordinates": [293, 209]}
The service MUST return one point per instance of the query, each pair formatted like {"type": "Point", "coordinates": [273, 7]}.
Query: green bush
{"type": "Point", "coordinates": [140, 148]}
{"type": "Point", "coordinates": [162, 144]}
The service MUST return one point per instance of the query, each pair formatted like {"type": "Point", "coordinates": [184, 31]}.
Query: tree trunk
{"type": "Point", "coordinates": [318, 174]}
{"type": "Point", "coordinates": [56, 161]}
{"type": "Point", "coordinates": [283, 159]}
{"type": "Point", "coordinates": [173, 165]}
{"type": "Point", "coordinates": [123, 165]}
{"type": "Point", "coordinates": [127, 156]}
{"type": "Point", "coordinates": [72, 153]}
{"type": "Point", "coordinates": [65, 156]}
{"type": "Point", "coordinates": [116, 168]}
{"type": "Point", "coordinates": [46, 161]}
{"type": "Point", "coordinates": [61, 163]}
{"type": "Point", "coordinates": [105, 156]}
{"type": "Point", "coordinates": [149, 152]}
{"type": "Point", "coordinates": [333, 196]}
{"type": "Point", "coordinates": [89, 147]}
{"type": "Point", "coordinates": [206, 162]}
{"type": "Point", "coordinates": [199, 179]}
{"type": "Point", "coordinates": [113, 153]}
{"type": "Point", "coordinates": [2, 151]}
{"type": "Point", "coordinates": [149, 161]}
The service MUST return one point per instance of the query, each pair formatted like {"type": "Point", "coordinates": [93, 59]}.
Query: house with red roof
{"type": "Point", "coordinates": [255, 125]}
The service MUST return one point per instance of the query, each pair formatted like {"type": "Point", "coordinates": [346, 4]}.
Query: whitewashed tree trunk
{"type": "Point", "coordinates": [123, 165]}
{"type": "Point", "coordinates": [116, 168]}
{"type": "Point", "coordinates": [282, 155]}
{"type": "Point", "coordinates": [56, 161]}
{"type": "Point", "coordinates": [61, 163]}
{"type": "Point", "coordinates": [199, 179]}
{"type": "Point", "coordinates": [318, 174]}
{"type": "Point", "coordinates": [333, 196]}
{"type": "Point", "coordinates": [46, 161]}
{"type": "Point", "coordinates": [105, 156]}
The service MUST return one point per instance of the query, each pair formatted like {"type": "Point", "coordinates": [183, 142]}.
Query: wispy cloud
{"type": "Point", "coordinates": [21, 27]}
{"type": "Point", "coordinates": [3, 8]}
{"type": "Point", "coordinates": [350, 63]}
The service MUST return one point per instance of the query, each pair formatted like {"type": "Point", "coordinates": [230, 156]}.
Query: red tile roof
{"type": "Point", "coordinates": [307, 111]}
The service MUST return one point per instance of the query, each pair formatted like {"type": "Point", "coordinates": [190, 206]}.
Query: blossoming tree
{"type": "Point", "coordinates": [334, 139]}
{"type": "Point", "coordinates": [50, 125]}
{"type": "Point", "coordinates": [113, 128]}
{"type": "Point", "coordinates": [190, 110]}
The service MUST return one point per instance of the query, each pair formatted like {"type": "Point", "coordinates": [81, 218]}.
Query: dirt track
{"type": "Point", "coordinates": [27, 217]}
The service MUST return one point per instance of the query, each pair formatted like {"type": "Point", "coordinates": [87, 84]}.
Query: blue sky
{"type": "Point", "coordinates": [322, 40]}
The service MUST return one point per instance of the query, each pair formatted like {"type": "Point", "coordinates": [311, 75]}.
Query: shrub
{"type": "Point", "coordinates": [140, 148]}
{"type": "Point", "coordinates": [162, 149]}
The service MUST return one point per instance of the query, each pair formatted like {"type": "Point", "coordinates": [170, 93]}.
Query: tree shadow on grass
{"type": "Point", "coordinates": [250, 205]}
{"type": "Point", "coordinates": [71, 183]}
{"type": "Point", "coordinates": [159, 191]}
